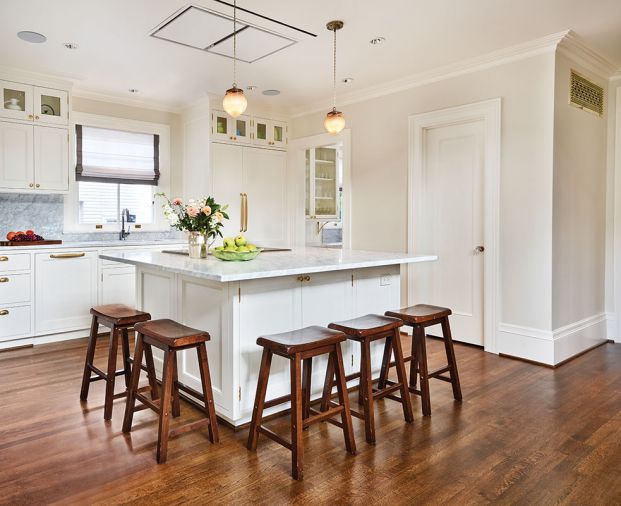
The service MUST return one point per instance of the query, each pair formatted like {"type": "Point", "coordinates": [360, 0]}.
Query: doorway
{"type": "Point", "coordinates": [453, 213]}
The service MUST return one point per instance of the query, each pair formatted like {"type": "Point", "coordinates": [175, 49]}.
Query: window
{"type": "Point", "coordinates": [115, 170]}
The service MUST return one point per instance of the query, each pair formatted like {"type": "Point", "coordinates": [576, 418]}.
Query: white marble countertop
{"type": "Point", "coordinates": [95, 244]}
{"type": "Point", "coordinates": [267, 264]}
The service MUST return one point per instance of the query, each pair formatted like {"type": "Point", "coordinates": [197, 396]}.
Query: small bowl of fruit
{"type": "Point", "coordinates": [23, 237]}
{"type": "Point", "coordinates": [236, 249]}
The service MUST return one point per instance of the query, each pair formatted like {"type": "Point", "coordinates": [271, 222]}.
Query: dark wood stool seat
{"type": "Point", "coordinates": [170, 337]}
{"type": "Point", "coordinates": [419, 317]}
{"type": "Point", "coordinates": [365, 330]}
{"type": "Point", "coordinates": [299, 347]}
{"type": "Point", "coordinates": [119, 319]}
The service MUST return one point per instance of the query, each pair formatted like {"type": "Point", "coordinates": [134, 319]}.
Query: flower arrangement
{"type": "Point", "coordinates": [202, 217]}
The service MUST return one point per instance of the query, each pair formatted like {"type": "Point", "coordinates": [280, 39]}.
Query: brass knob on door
{"type": "Point", "coordinates": [36, 117]}
{"type": "Point", "coordinates": [306, 278]}
{"type": "Point", "coordinates": [479, 249]}
{"type": "Point", "coordinates": [31, 185]}
{"type": "Point", "coordinates": [30, 116]}
{"type": "Point", "coordinates": [37, 185]}
{"type": "Point", "coordinates": [300, 278]}
{"type": "Point", "coordinates": [4, 280]}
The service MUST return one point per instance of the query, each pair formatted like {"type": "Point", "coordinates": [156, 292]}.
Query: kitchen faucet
{"type": "Point", "coordinates": [124, 216]}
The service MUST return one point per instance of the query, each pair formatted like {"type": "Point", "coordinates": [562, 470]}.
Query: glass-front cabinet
{"type": "Point", "coordinates": [269, 132]}
{"type": "Point", "coordinates": [229, 129]}
{"type": "Point", "coordinates": [33, 103]}
{"type": "Point", "coordinates": [322, 193]}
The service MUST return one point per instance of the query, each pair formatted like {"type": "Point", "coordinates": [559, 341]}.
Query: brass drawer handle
{"type": "Point", "coordinates": [303, 278]}
{"type": "Point", "coordinates": [4, 312]}
{"type": "Point", "coordinates": [4, 259]}
{"type": "Point", "coordinates": [4, 280]}
{"type": "Point", "coordinates": [68, 255]}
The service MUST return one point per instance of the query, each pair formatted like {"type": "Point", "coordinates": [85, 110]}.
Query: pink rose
{"type": "Point", "coordinates": [219, 216]}
{"type": "Point", "coordinates": [177, 202]}
{"type": "Point", "coordinates": [206, 210]}
{"type": "Point", "coordinates": [193, 211]}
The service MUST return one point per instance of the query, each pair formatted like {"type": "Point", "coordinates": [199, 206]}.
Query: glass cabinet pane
{"type": "Point", "coordinates": [240, 127]}
{"type": "Point", "coordinates": [278, 137]}
{"type": "Point", "coordinates": [14, 100]}
{"type": "Point", "coordinates": [261, 131]}
{"type": "Point", "coordinates": [221, 125]}
{"type": "Point", "coordinates": [50, 105]}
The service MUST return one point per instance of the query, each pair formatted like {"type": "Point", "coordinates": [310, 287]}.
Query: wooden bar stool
{"type": "Point", "coordinates": [365, 330]}
{"type": "Point", "coordinates": [300, 346]}
{"type": "Point", "coordinates": [418, 317]}
{"type": "Point", "coordinates": [171, 337]}
{"type": "Point", "coordinates": [119, 319]}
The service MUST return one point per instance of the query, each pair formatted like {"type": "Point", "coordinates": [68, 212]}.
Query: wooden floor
{"type": "Point", "coordinates": [524, 434]}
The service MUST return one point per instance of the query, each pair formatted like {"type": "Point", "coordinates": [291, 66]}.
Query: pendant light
{"type": "Point", "coordinates": [234, 101]}
{"type": "Point", "coordinates": [335, 120]}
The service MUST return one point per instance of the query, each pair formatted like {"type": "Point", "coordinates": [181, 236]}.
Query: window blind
{"type": "Point", "coordinates": [115, 156]}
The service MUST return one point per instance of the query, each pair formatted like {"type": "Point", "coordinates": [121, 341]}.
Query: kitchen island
{"type": "Point", "coordinates": [236, 302]}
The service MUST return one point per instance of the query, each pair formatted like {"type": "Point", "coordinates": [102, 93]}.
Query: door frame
{"type": "Point", "coordinates": [297, 179]}
{"type": "Point", "coordinates": [488, 111]}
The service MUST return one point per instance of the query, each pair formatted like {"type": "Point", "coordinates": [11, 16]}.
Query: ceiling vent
{"type": "Point", "coordinates": [585, 94]}
{"type": "Point", "coordinates": [210, 28]}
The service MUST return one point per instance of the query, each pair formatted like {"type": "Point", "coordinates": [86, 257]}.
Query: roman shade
{"type": "Point", "coordinates": [115, 156]}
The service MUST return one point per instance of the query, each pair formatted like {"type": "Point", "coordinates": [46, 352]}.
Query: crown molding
{"type": "Point", "coordinates": [616, 76]}
{"type": "Point", "coordinates": [495, 58]}
{"type": "Point", "coordinates": [122, 100]}
{"type": "Point", "coordinates": [64, 81]}
{"type": "Point", "coordinates": [572, 46]}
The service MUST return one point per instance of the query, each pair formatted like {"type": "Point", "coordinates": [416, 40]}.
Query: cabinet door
{"type": "Point", "coordinates": [16, 156]}
{"type": "Point", "coordinates": [278, 134]}
{"type": "Point", "coordinates": [226, 172]}
{"type": "Point", "coordinates": [261, 131]}
{"type": "Point", "coordinates": [51, 106]}
{"type": "Point", "coordinates": [65, 290]}
{"type": "Point", "coordinates": [118, 286]}
{"type": "Point", "coordinates": [16, 100]}
{"type": "Point", "coordinates": [265, 183]}
{"type": "Point", "coordinates": [228, 129]}
{"type": "Point", "coordinates": [51, 158]}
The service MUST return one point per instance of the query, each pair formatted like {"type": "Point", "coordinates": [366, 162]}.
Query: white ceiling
{"type": "Point", "coordinates": [116, 52]}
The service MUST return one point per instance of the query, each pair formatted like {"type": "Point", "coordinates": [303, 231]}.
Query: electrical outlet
{"type": "Point", "coordinates": [385, 280]}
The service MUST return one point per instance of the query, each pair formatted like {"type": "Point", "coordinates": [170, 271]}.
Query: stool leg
{"type": "Point", "coordinates": [297, 424]}
{"type": "Point", "coordinates": [90, 355]}
{"type": "Point", "coordinates": [148, 352]}
{"type": "Point", "coordinates": [162, 436]}
{"type": "Point", "coordinates": [401, 377]}
{"type": "Point", "coordinates": [307, 373]}
{"type": "Point", "coordinates": [341, 384]}
{"type": "Point", "coordinates": [367, 392]}
{"type": "Point", "coordinates": [450, 355]}
{"type": "Point", "coordinates": [130, 403]}
{"type": "Point", "coordinates": [176, 407]}
{"type": "Point", "coordinates": [414, 360]}
{"type": "Point", "coordinates": [421, 354]}
{"type": "Point", "coordinates": [327, 386]}
{"type": "Point", "coordinates": [259, 399]}
{"type": "Point", "coordinates": [127, 363]}
{"type": "Point", "coordinates": [208, 393]}
{"type": "Point", "coordinates": [111, 372]}
{"type": "Point", "coordinates": [385, 364]}
{"type": "Point", "coordinates": [360, 382]}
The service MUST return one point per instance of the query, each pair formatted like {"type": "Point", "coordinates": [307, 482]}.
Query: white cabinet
{"type": "Point", "coordinates": [33, 103]}
{"type": "Point", "coordinates": [17, 101]}
{"type": "Point", "coordinates": [16, 156]}
{"type": "Point", "coordinates": [322, 187]}
{"type": "Point", "coordinates": [51, 106]}
{"type": "Point", "coordinates": [254, 184]}
{"type": "Point", "coordinates": [269, 132]}
{"type": "Point", "coordinates": [118, 286]}
{"type": "Point", "coordinates": [65, 290]}
{"type": "Point", "coordinates": [51, 158]}
{"type": "Point", "coordinates": [228, 129]}
{"type": "Point", "coordinates": [249, 130]}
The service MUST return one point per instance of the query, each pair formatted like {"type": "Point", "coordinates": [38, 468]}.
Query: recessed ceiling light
{"type": "Point", "coordinates": [377, 40]}
{"type": "Point", "coordinates": [34, 37]}
{"type": "Point", "coordinates": [71, 45]}
{"type": "Point", "coordinates": [271, 93]}
{"type": "Point", "coordinates": [252, 87]}
{"type": "Point", "coordinates": [347, 80]}
{"type": "Point", "coordinates": [133, 90]}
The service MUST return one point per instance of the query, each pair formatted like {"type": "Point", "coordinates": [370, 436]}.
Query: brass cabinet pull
{"type": "Point", "coordinates": [37, 185]}
{"type": "Point", "coordinates": [4, 280]}
{"type": "Point", "coordinates": [67, 255]}
{"type": "Point", "coordinates": [4, 312]}
{"type": "Point", "coordinates": [246, 212]}
{"type": "Point", "coordinates": [4, 259]}
{"type": "Point", "coordinates": [241, 212]}
{"type": "Point", "coordinates": [30, 116]}
{"type": "Point", "coordinates": [31, 185]}
{"type": "Point", "coordinates": [36, 117]}
{"type": "Point", "coordinates": [306, 278]}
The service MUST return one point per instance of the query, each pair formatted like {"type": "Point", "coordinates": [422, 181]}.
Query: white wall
{"type": "Point", "coordinates": [613, 292]}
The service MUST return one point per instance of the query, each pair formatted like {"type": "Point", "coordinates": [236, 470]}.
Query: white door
{"type": "Point", "coordinates": [227, 166]}
{"type": "Point", "coordinates": [51, 106]}
{"type": "Point", "coordinates": [51, 156]}
{"type": "Point", "coordinates": [265, 186]}
{"type": "Point", "coordinates": [16, 156]}
{"type": "Point", "coordinates": [16, 101]}
{"type": "Point", "coordinates": [449, 223]}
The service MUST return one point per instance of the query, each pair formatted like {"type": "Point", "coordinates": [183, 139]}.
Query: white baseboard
{"type": "Point", "coordinates": [553, 346]}
{"type": "Point", "coordinates": [50, 338]}
{"type": "Point", "coordinates": [612, 332]}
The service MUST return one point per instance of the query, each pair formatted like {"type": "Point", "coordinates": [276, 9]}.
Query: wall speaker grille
{"type": "Point", "coordinates": [585, 94]}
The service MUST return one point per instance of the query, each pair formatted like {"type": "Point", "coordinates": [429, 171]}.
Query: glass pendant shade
{"type": "Point", "coordinates": [334, 122]}
{"type": "Point", "coordinates": [234, 102]}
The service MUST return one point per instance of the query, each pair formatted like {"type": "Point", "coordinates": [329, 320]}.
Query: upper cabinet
{"type": "Point", "coordinates": [249, 130]}
{"type": "Point", "coordinates": [33, 103]}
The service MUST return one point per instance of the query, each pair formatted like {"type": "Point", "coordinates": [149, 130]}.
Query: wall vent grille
{"type": "Point", "coordinates": [585, 94]}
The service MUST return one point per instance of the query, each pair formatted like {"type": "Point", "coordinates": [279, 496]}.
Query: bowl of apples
{"type": "Point", "coordinates": [236, 249]}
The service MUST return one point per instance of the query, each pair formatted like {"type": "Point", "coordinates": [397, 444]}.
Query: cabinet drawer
{"type": "Point", "coordinates": [14, 322]}
{"type": "Point", "coordinates": [18, 262]}
{"type": "Point", "coordinates": [14, 288]}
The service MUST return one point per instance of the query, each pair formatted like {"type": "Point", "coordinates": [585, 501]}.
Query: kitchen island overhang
{"type": "Point", "coordinates": [236, 302]}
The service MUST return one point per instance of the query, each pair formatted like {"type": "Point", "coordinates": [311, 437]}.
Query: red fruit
{"type": "Point", "coordinates": [19, 233]}
{"type": "Point", "coordinates": [30, 232]}
{"type": "Point", "coordinates": [10, 235]}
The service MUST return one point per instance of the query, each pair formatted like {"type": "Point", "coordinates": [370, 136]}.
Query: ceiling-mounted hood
{"type": "Point", "coordinates": [210, 28]}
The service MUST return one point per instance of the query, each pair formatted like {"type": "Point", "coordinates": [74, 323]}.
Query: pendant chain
{"type": "Point", "coordinates": [234, 43]}
{"type": "Point", "coordinates": [334, 75]}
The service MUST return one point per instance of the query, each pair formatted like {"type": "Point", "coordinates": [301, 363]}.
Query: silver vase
{"type": "Point", "coordinates": [197, 245]}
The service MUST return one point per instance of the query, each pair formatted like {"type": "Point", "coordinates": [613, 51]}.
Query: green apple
{"type": "Point", "coordinates": [228, 241]}
{"type": "Point", "coordinates": [243, 249]}
{"type": "Point", "coordinates": [230, 248]}
{"type": "Point", "coordinates": [251, 247]}
{"type": "Point", "coordinates": [240, 240]}
{"type": "Point", "coordinates": [219, 248]}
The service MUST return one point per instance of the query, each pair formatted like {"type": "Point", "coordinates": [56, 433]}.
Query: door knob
{"type": "Point", "coordinates": [479, 249]}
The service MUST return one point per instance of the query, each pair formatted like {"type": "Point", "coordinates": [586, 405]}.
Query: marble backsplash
{"type": "Point", "coordinates": [44, 214]}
